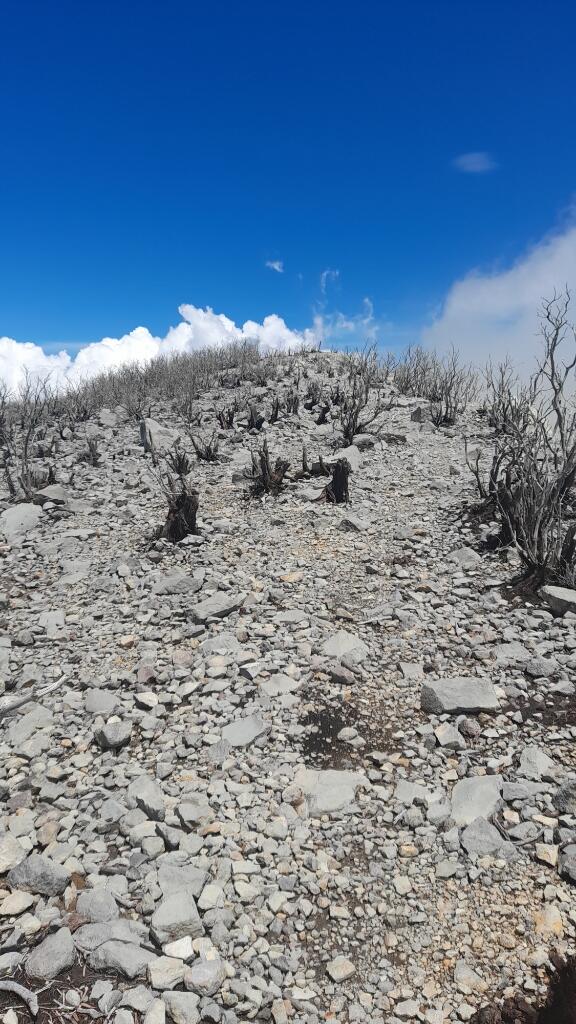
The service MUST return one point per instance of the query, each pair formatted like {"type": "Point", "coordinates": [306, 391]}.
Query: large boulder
{"type": "Point", "coordinates": [458, 695]}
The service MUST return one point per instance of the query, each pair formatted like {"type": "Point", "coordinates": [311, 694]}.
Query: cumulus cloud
{"type": "Point", "coordinates": [495, 314]}
{"type": "Point", "coordinates": [475, 163]}
{"type": "Point", "coordinates": [199, 328]}
{"type": "Point", "coordinates": [277, 265]}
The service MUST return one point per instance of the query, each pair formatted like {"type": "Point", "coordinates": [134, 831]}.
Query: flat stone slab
{"type": "Point", "coordinates": [244, 731]}
{"type": "Point", "coordinates": [279, 684]}
{"type": "Point", "coordinates": [477, 797]}
{"type": "Point", "coordinates": [176, 583]}
{"type": "Point", "coordinates": [343, 644]}
{"type": "Point", "coordinates": [219, 606]}
{"type": "Point", "coordinates": [18, 520]}
{"type": "Point", "coordinates": [329, 790]}
{"type": "Point", "coordinates": [458, 695]}
{"type": "Point", "coordinates": [560, 599]}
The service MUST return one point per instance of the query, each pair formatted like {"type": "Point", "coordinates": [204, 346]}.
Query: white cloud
{"type": "Point", "coordinates": [327, 277]}
{"type": "Point", "coordinates": [351, 331]}
{"type": "Point", "coordinates": [475, 163]}
{"type": "Point", "coordinates": [199, 328]}
{"type": "Point", "coordinates": [277, 265]}
{"type": "Point", "coordinates": [496, 314]}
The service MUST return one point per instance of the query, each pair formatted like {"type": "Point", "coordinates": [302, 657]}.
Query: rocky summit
{"type": "Point", "coordinates": [315, 760]}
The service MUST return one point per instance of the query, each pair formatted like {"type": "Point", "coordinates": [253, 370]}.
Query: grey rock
{"type": "Point", "coordinates": [330, 790]}
{"type": "Point", "coordinates": [54, 493]}
{"type": "Point", "coordinates": [567, 862]}
{"type": "Point", "coordinates": [182, 1007]}
{"type": "Point", "coordinates": [458, 695]}
{"type": "Point", "coordinates": [244, 731]}
{"type": "Point", "coordinates": [97, 905]}
{"type": "Point", "coordinates": [565, 797]}
{"type": "Point", "coordinates": [205, 976]}
{"type": "Point", "coordinates": [176, 583]}
{"type": "Point", "coordinates": [55, 954]}
{"type": "Point", "coordinates": [148, 796]}
{"type": "Point", "coordinates": [113, 735]}
{"type": "Point", "coordinates": [219, 606]}
{"type": "Point", "coordinates": [100, 702]}
{"type": "Point", "coordinates": [477, 797]}
{"type": "Point", "coordinates": [541, 667]}
{"type": "Point", "coordinates": [176, 916]}
{"type": "Point", "coordinates": [466, 558]}
{"type": "Point", "coordinates": [90, 937]}
{"type": "Point", "coordinates": [352, 453]}
{"type": "Point", "coordinates": [353, 524]}
{"type": "Point", "coordinates": [39, 874]}
{"type": "Point", "coordinates": [278, 685]}
{"type": "Point", "coordinates": [173, 878]}
{"type": "Point", "coordinates": [28, 725]}
{"type": "Point", "coordinates": [481, 838]}
{"type": "Point", "coordinates": [343, 644]}
{"type": "Point", "coordinates": [11, 852]}
{"type": "Point", "coordinates": [535, 764]}
{"type": "Point", "coordinates": [18, 520]}
{"type": "Point", "coordinates": [131, 960]}
{"type": "Point", "coordinates": [560, 599]}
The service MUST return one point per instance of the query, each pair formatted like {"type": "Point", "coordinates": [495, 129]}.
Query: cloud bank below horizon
{"type": "Point", "coordinates": [484, 314]}
{"type": "Point", "coordinates": [199, 328]}
{"type": "Point", "coordinates": [495, 314]}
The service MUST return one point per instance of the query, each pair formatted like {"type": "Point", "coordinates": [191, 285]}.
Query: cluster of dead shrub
{"type": "Point", "coordinates": [444, 381]}
{"type": "Point", "coordinates": [527, 481]}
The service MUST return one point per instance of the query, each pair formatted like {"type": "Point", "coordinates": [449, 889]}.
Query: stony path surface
{"type": "Point", "coordinates": [242, 799]}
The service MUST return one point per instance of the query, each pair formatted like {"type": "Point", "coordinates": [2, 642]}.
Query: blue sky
{"type": "Point", "coordinates": [158, 154]}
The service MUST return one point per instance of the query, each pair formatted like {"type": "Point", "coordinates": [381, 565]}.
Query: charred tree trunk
{"type": "Point", "coordinates": [336, 491]}
{"type": "Point", "coordinates": [267, 480]}
{"type": "Point", "coordinates": [182, 512]}
{"type": "Point", "coordinates": [255, 419]}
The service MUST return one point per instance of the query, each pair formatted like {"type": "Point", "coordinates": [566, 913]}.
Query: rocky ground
{"type": "Point", "coordinates": [313, 764]}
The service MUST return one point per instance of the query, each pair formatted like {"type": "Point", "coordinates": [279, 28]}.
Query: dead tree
{"type": "Point", "coordinates": [265, 479]}
{"type": "Point", "coordinates": [275, 411]}
{"type": "Point", "coordinates": [90, 455]}
{"type": "Point", "coordinates": [292, 402]}
{"type": "Point", "coordinates": [225, 417]}
{"type": "Point", "coordinates": [182, 510]}
{"type": "Point", "coordinates": [255, 419]}
{"type": "Point", "coordinates": [206, 448]}
{"type": "Point", "coordinates": [336, 490]}
{"type": "Point", "coordinates": [181, 496]}
{"type": "Point", "coordinates": [323, 415]}
{"type": "Point", "coordinates": [357, 413]}
{"type": "Point", "coordinates": [532, 474]}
